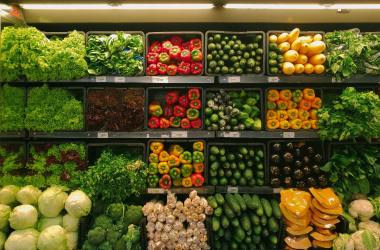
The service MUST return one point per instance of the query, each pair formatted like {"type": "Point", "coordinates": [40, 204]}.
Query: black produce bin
{"type": "Point", "coordinates": [63, 34]}
{"type": "Point", "coordinates": [302, 33]}
{"type": "Point", "coordinates": [318, 93]}
{"type": "Point", "coordinates": [162, 36]}
{"type": "Point", "coordinates": [260, 104]}
{"type": "Point", "coordinates": [235, 145]}
{"type": "Point", "coordinates": [158, 94]}
{"type": "Point", "coordinates": [119, 99]}
{"type": "Point", "coordinates": [246, 36]}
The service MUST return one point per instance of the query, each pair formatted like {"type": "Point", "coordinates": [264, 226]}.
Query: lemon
{"type": "Point", "coordinates": [302, 59]}
{"type": "Point", "coordinates": [319, 69]}
{"type": "Point", "coordinates": [299, 68]}
{"type": "Point", "coordinates": [288, 68]}
{"type": "Point", "coordinates": [291, 56]}
{"type": "Point", "coordinates": [309, 68]}
{"type": "Point", "coordinates": [285, 46]}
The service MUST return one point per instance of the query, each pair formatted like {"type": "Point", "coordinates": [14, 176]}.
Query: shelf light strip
{"type": "Point", "coordinates": [5, 7]}
{"type": "Point", "coordinates": [303, 6]}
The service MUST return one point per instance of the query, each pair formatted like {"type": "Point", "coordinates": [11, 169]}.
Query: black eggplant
{"type": "Point", "coordinates": [286, 170]}
{"type": "Point", "coordinates": [298, 164]}
{"type": "Point", "coordinates": [317, 158]}
{"type": "Point", "coordinates": [311, 182]}
{"type": "Point", "coordinates": [276, 147]}
{"type": "Point", "coordinates": [289, 146]}
{"type": "Point", "coordinates": [276, 159]}
{"type": "Point", "coordinates": [310, 150]}
{"type": "Point", "coordinates": [306, 160]}
{"type": "Point", "coordinates": [275, 171]}
{"type": "Point", "coordinates": [316, 169]}
{"type": "Point", "coordinates": [306, 170]}
{"type": "Point", "coordinates": [297, 153]}
{"type": "Point", "coordinates": [300, 184]}
{"type": "Point", "coordinates": [288, 182]}
{"type": "Point", "coordinates": [275, 182]}
{"type": "Point", "coordinates": [288, 157]}
{"type": "Point", "coordinates": [298, 174]}
{"type": "Point", "coordinates": [322, 181]}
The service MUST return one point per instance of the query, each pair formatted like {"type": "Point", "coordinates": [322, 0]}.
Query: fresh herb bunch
{"type": "Point", "coordinates": [358, 164]}
{"type": "Point", "coordinates": [114, 178]}
{"type": "Point", "coordinates": [352, 115]}
{"type": "Point", "coordinates": [11, 158]}
{"type": "Point", "coordinates": [49, 110]}
{"type": "Point", "coordinates": [26, 52]}
{"type": "Point", "coordinates": [12, 108]}
{"type": "Point", "coordinates": [118, 53]}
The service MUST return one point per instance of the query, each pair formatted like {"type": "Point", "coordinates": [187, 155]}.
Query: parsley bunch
{"type": "Point", "coordinates": [12, 108]}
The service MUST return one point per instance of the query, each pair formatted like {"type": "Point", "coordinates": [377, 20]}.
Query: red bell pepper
{"type": "Point", "coordinates": [186, 55]}
{"type": "Point", "coordinates": [184, 68]}
{"type": "Point", "coordinates": [164, 123]}
{"type": "Point", "coordinates": [196, 104]}
{"type": "Point", "coordinates": [185, 123]}
{"type": "Point", "coordinates": [186, 45]}
{"type": "Point", "coordinates": [166, 45]}
{"type": "Point", "coordinates": [172, 70]}
{"type": "Point", "coordinates": [168, 111]}
{"type": "Point", "coordinates": [196, 55]}
{"type": "Point", "coordinates": [152, 58]}
{"type": "Point", "coordinates": [194, 93]}
{"type": "Point", "coordinates": [171, 97]}
{"type": "Point", "coordinates": [179, 111]}
{"type": "Point", "coordinates": [196, 123]}
{"type": "Point", "coordinates": [162, 68]}
{"type": "Point", "coordinates": [196, 68]}
{"type": "Point", "coordinates": [175, 53]}
{"type": "Point", "coordinates": [183, 101]}
{"type": "Point", "coordinates": [164, 57]}
{"type": "Point", "coordinates": [155, 47]}
{"type": "Point", "coordinates": [195, 43]}
{"type": "Point", "coordinates": [199, 167]}
{"type": "Point", "coordinates": [175, 122]}
{"type": "Point", "coordinates": [152, 70]}
{"type": "Point", "coordinates": [165, 181]}
{"type": "Point", "coordinates": [197, 179]}
{"type": "Point", "coordinates": [153, 122]}
{"type": "Point", "coordinates": [176, 40]}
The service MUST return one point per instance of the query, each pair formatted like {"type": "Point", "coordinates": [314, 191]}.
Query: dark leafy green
{"type": "Point", "coordinates": [12, 108]}
{"type": "Point", "coordinates": [11, 158]}
{"type": "Point", "coordinates": [352, 115]}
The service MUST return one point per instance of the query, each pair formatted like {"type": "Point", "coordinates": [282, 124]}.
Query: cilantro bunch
{"type": "Point", "coordinates": [12, 108]}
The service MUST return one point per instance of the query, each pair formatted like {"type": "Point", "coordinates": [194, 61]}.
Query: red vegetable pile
{"type": "Point", "coordinates": [181, 110]}
{"type": "Point", "coordinates": [175, 56]}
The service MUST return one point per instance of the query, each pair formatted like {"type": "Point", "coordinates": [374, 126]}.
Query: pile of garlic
{"type": "Point", "coordinates": [167, 228]}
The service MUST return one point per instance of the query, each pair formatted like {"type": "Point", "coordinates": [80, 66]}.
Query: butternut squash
{"type": "Point", "coordinates": [283, 37]}
{"type": "Point", "coordinates": [294, 226]}
{"type": "Point", "coordinates": [325, 231]}
{"type": "Point", "coordinates": [325, 222]}
{"type": "Point", "coordinates": [322, 215]}
{"type": "Point", "coordinates": [316, 47]}
{"type": "Point", "coordinates": [298, 242]}
{"type": "Point", "coordinates": [294, 34]}
{"type": "Point", "coordinates": [321, 237]}
{"type": "Point", "coordinates": [335, 211]}
{"type": "Point", "coordinates": [306, 230]}
{"type": "Point", "coordinates": [300, 221]}
{"type": "Point", "coordinates": [326, 197]}
{"type": "Point", "coordinates": [297, 202]}
{"type": "Point", "coordinates": [325, 226]}
{"type": "Point", "coordinates": [322, 244]}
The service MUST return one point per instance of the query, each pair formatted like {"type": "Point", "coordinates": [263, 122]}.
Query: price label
{"type": "Point", "coordinates": [155, 191]}
{"type": "Point", "coordinates": [101, 79]}
{"type": "Point", "coordinates": [232, 189]}
{"type": "Point", "coordinates": [179, 134]}
{"type": "Point", "coordinates": [233, 79]}
{"type": "Point", "coordinates": [277, 190]}
{"type": "Point", "coordinates": [147, 135]}
{"type": "Point", "coordinates": [160, 79]}
{"type": "Point", "coordinates": [288, 135]}
{"type": "Point", "coordinates": [103, 135]}
{"type": "Point", "coordinates": [273, 79]}
{"type": "Point", "coordinates": [165, 135]}
{"type": "Point", "coordinates": [231, 134]}
{"type": "Point", "coordinates": [119, 79]}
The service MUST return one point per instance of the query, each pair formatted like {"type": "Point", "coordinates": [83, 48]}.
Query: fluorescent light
{"type": "Point", "coordinates": [303, 6]}
{"type": "Point", "coordinates": [5, 7]}
{"type": "Point", "coordinates": [3, 13]}
{"type": "Point", "coordinates": [112, 7]}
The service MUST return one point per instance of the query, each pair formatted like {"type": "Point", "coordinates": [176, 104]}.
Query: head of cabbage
{"type": "Point", "coordinates": [5, 212]}
{"type": "Point", "coordinates": [23, 217]}
{"type": "Point", "coordinates": [45, 222]}
{"type": "Point", "coordinates": [8, 194]}
{"type": "Point", "coordinates": [78, 204]}
{"type": "Point", "coordinates": [22, 239]}
{"type": "Point", "coordinates": [70, 223]}
{"type": "Point", "coordinates": [52, 201]}
{"type": "Point", "coordinates": [2, 240]}
{"type": "Point", "coordinates": [28, 195]}
{"type": "Point", "coordinates": [72, 240]}
{"type": "Point", "coordinates": [53, 237]}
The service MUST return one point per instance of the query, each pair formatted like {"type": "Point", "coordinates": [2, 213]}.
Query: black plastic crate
{"type": "Point", "coordinates": [245, 36]}
{"type": "Point", "coordinates": [63, 34]}
{"type": "Point", "coordinates": [158, 94]}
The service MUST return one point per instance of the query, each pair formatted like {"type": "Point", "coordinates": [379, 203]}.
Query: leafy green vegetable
{"type": "Point", "coordinates": [118, 53]}
{"type": "Point", "coordinates": [352, 115]}
{"type": "Point", "coordinates": [12, 108]}
{"type": "Point", "coordinates": [55, 109]}
{"type": "Point", "coordinates": [26, 52]}
{"type": "Point", "coordinates": [11, 158]}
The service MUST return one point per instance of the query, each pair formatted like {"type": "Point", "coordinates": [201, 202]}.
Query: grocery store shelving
{"type": "Point", "coordinates": [267, 134]}
{"type": "Point", "coordinates": [248, 190]}
{"type": "Point", "coordinates": [11, 135]}
{"type": "Point", "coordinates": [179, 190]}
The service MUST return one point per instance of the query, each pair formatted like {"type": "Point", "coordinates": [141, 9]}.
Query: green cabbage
{"type": "Point", "coordinates": [2, 240]}
{"type": "Point", "coordinates": [8, 194]}
{"type": "Point", "coordinates": [22, 240]}
{"type": "Point", "coordinates": [70, 223]}
{"type": "Point", "coordinates": [78, 204]}
{"type": "Point", "coordinates": [72, 240]}
{"type": "Point", "coordinates": [28, 195]}
{"type": "Point", "coordinates": [23, 217]}
{"type": "Point", "coordinates": [47, 222]}
{"type": "Point", "coordinates": [53, 237]}
{"type": "Point", "coordinates": [5, 212]}
{"type": "Point", "coordinates": [52, 201]}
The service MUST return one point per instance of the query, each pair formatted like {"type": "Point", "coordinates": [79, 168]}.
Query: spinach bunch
{"type": "Point", "coordinates": [12, 108]}
{"type": "Point", "coordinates": [352, 115]}
{"type": "Point", "coordinates": [118, 53]}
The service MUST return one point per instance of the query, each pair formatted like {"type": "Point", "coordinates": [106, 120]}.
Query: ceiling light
{"type": "Point", "coordinates": [3, 13]}
{"type": "Point", "coordinates": [5, 7]}
{"type": "Point", "coordinates": [112, 7]}
{"type": "Point", "coordinates": [303, 6]}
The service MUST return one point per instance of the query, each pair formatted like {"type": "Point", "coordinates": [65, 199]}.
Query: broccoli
{"type": "Point", "coordinates": [132, 238]}
{"type": "Point", "coordinates": [103, 221]}
{"type": "Point", "coordinates": [133, 215]}
{"type": "Point", "coordinates": [88, 246]}
{"type": "Point", "coordinates": [105, 246]}
{"type": "Point", "coordinates": [96, 236]}
{"type": "Point", "coordinates": [114, 233]}
{"type": "Point", "coordinates": [116, 211]}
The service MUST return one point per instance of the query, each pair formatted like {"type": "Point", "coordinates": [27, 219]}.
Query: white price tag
{"type": "Point", "coordinates": [277, 190]}
{"type": "Point", "coordinates": [288, 135]}
{"type": "Point", "coordinates": [233, 79]}
{"type": "Point", "coordinates": [232, 189]}
{"type": "Point", "coordinates": [155, 191]}
{"type": "Point", "coordinates": [160, 79]}
{"type": "Point", "coordinates": [119, 79]}
{"type": "Point", "coordinates": [165, 135]}
{"type": "Point", "coordinates": [179, 134]}
{"type": "Point", "coordinates": [101, 79]}
{"type": "Point", "coordinates": [273, 79]}
{"type": "Point", "coordinates": [147, 135]}
{"type": "Point", "coordinates": [103, 135]}
{"type": "Point", "coordinates": [234, 134]}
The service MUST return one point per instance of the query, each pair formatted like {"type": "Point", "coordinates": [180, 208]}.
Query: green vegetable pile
{"type": "Point", "coordinates": [244, 221]}
{"type": "Point", "coordinates": [235, 54]}
{"type": "Point", "coordinates": [229, 110]}
{"type": "Point", "coordinates": [359, 164]}
{"type": "Point", "coordinates": [118, 53]}
{"type": "Point", "coordinates": [116, 228]}
{"type": "Point", "coordinates": [12, 108]}
{"type": "Point", "coordinates": [26, 52]}
{"type": "Point", "coordinates": [352, 115]}
{"type": "Point", "coordinates": [236, 165]}
{"type": "Point", "coordinates": [49, 110]}
{"type": "Point", "coordinates": [11, 158]}
{"type": "Point", "coordinates": [114, 178]}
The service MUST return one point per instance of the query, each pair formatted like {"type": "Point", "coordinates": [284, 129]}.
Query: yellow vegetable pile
{"type": "Point", "coordinates": [310, 215]}
{"type": "Point", "coordinates": [301, 54]}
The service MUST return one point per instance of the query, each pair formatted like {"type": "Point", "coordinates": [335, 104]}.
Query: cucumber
{"type": "Point", "coordinates": [263, 221]}
{"type": "Point", "coordinates": [228, 211]}
{"type": "Point", "coordinates": [241, 202]}
{"type": "Point", "coordinates": [262, 246]}
{"type": "Point", "coordinates": [273, 225]}
{"type": "Point", "coordinates": [215, 224]}
{"type": "Point", "coordinates": [248, 240]}
{"type": "Point", "coordinates": [219, 199]}
{"type": "Point", "coordinates": [227, 235]}
{"type": "Point", "coordinates": [260, 210]}
{"type": "Point", "coordinates": [218, 212]}
{"type": "Point", "coordinates": [234, 245]}
{"type": "Point", "coordinates": [255, 219]}
{"type": "Point", "coordinates": [235, 222]}
{"type": "Point", "coordinates": [220, 233]}
{"type": "Point", "coordinates": [233, 203]}
{"type": "Point", "coordinates": [257, 230]}
{"type": "Point", "coordinates": [249, 202]}
{"type": "Point", "coordinates": [239, 235]}
{"type": "Point", "coordinates": [224, 221]}
{"type": "Point", "coordinates": [265, 233]}
{"type": "Point", "coordinates": [273, 239]}
{"type": "Point", "coordinates": [212, 202]}
{"type": "Point", "coordinates": [276, 209]}
{"type": "Point", "coordinates": [245, 222]}
{"type": "Point", "coordinates": [256, 239]}
{"type": "Point", "coordinates": [267, 207]}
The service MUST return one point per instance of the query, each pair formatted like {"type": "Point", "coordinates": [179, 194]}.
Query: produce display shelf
{"type": "Point", "coordinates": [11, 135]}
{"type": "Point", "coordinates": [179, 190]}
{"type": "Point", "coordinates": [248, 190]}
{"type": "Point", "coordinates": [267, 134]}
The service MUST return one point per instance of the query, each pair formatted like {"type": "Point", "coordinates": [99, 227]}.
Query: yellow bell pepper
{"type": "Point", "coordinates": [163, 156]}
{"type": "Point", "coordinates": [153, 158]}
{"type": "Point", "coordinates": [176, 150]}
{"type": "Point", "coordinates": [156, 147]}
{"type": "Point", "coordinates": [173, 161]}
{"type": "Point", "coordinates": [163, 168]}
